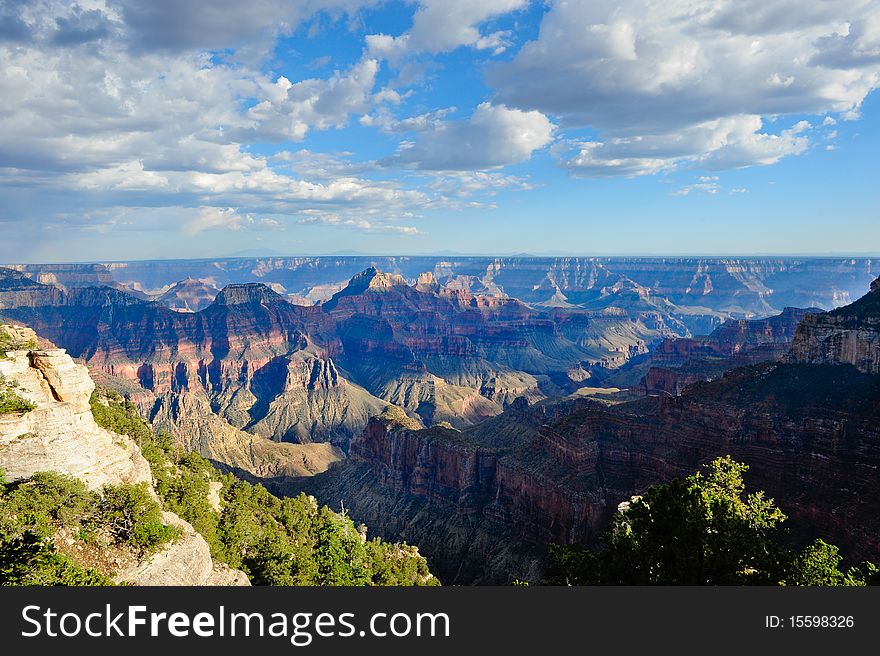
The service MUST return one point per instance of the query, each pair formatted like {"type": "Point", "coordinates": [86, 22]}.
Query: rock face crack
{"type": "Point", "coordinates": [44, 381]}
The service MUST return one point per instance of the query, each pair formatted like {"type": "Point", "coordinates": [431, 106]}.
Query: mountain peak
{"type": "Point", "coordinates": [248, 293]}
{"type": "Point", "coordinates": [427, 282]}
{"type": "Point", "coordinates": [376, 280]}
{"type": "Point", "coordinates": [875, 286]}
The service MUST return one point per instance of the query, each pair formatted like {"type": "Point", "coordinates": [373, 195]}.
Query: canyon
{"type": "Point", "coordinates": [486, 501]}
{"type": "Point", "coordinates": [484, 408]}
{"type": "Point", "coordinates": [729, 285]}
{"type": "Point", "coordinates": [254, 365]}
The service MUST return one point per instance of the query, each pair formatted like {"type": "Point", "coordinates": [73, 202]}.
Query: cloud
{"type": "Point", "coordinates": [217, 218]}
{"type": "Point", "coordinates": [94, 125]}
{"type": "Point", "coordinates": [691, 76]}
{"type": "Point", "coordinates": [14, 21]}
{"type": "Point", "coordinates": [128, 175]}
{"type": "Point", "coordinates": [493, 136]}
{"type": "Point", "coordinates": [179, 25]}
{"type": "Point", "coordinates": [227, 218]}
{"type": "Point", "coordinates": [856, 45]}
{"type": "Point", "coordinates": [384, 120]}
{"type": "Point", "coordinates": [81, 26]}
{"type": "Point", "coordinates": [466, 184]}
{"type": "Point", "coordinates": [323, 166]}
{"type": "Point", "coordinates": [733, 142]}
{"type": "Point", "coordinates": [290, 110]}
{"type": "Point", "coordinates": [444, 25]}
{"type": "Point", "coordinates": [707, 184]}
{"type": "Point", "coordinates": [313, 217]}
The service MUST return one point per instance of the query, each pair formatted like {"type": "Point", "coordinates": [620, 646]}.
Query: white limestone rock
{"type": "Point", "coordinates": [60, 434]}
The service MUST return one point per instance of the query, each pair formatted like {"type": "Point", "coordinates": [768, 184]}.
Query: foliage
{"type": "Point", "coordinates": [9, 342]}
{"type": "Point", "coordinates": [33, 511]}
{"type": "Point", "coordinates": [113, 412]}
{"type": "Point", "coordinates": [276, 541]}
{"type": "Point", "coordinates": [704, 530]}
{"type": "Point", "coordinates": [10, 402]}
{"type": "Point", "coordinates": [134, 517]}
{"type": "Point", "coordinates": [292, 541]}
{"type": "Point", "coordinates": [28, 559]}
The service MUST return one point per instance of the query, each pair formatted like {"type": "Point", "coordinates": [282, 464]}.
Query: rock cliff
{"type": "Point", "coordinates": [679, 362]}
{"type": "Point", "coordinates": [189, 295]}
{"type": "Point", "coordinates": [309, 374]}
{"type": "Point", "coordinates": [848, 335]}
{"type": "Point", "coordinates": [59, 434]}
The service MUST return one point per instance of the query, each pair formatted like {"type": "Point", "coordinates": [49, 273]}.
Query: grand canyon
{"type": "Point", "coordinates": [484, 408]}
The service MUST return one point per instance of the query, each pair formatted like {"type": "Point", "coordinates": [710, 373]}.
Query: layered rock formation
{"type": "Point", "coordinates": [188, 417]}
{"type": "Point", "coordinates": [60, 435]}
{"type": "Point", "coordinates": [189, 295]}
{"type": "Point", "coordinates": [308, 374]}
{"type": "Point", "coordinates": [185, 562]}
{"type": "Point", "coordinates": [849, 335]}
{"type": "Point", "coordinates": [679, 362]}
{"type": "Point", "coordinates": [760, 286]}
{"type": "Point", "coordinates": [808, 427]}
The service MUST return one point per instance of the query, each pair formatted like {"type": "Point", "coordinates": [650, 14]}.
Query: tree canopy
{"type": "Point", "coordinates": [702, 530]}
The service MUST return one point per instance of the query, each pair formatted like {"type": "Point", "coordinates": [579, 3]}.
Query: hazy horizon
{"type": "Point", "coordinates": [539, 255]}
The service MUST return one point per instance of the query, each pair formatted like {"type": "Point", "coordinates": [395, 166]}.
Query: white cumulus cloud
{"type": "Point", "coordinates": [664, 81]}
{"type": "Point", "coordinates": [493, 136]}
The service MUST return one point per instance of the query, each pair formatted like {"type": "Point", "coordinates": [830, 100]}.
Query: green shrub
{"type": "Point", "coordinates": [276, 541]}
{"type": "Point", "coordinates": [135, 518]}
{"type": "Point", "coordinates": [28, 559]}
{"type": "Point", "coordinates": [31, 513]}
{"type": "Point", "coordinates": [49, 499]}
{"type": "Point", "coordinates": [10, 402]}
{"type": "Point", "coordinates": [8, 342]}
{"type": "Point", "coordinates": [119, 415]}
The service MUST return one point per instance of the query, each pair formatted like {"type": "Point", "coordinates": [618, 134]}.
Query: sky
{"type": "Point", "coordinates": [187, 129]}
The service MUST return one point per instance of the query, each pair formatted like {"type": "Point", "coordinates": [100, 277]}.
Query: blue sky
{"type": "Point", "coordinates": [172, 129]}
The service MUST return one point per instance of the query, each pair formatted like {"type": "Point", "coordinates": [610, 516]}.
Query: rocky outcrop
{"type": "Point", "coordinates": [68, 276]}
{"type": "Point", "coordinates": [247, 294]}
{"type": "Point", "coordinates": [189, 419]}
{"type": "Point", "coordinates": [17, 290]}
{"type": "Point", "coordinates": [679, 362]}
{"type": "Point", "coordinates": [189, 295]}
{"type": "Point", "coordinates": [186, 561]}
{"type": "Point", "coordinates": [59, 434]}
{"type": "Point", "coordinates": [477, 512]}
{"type": "Point", "coordinates": [304, 398]}
{"type": "Point", "coordinates": [848, 335]}
{"type": "Point", "coordinates": [426, 282]}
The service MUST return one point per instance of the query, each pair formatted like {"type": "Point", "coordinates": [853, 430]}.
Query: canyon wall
{"type": "Point", "coordinates": [849, 335]}
{"type": "Point", "coordinates": [807, 426]}
{"type": "Point", "coordinates": [316, 373]}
